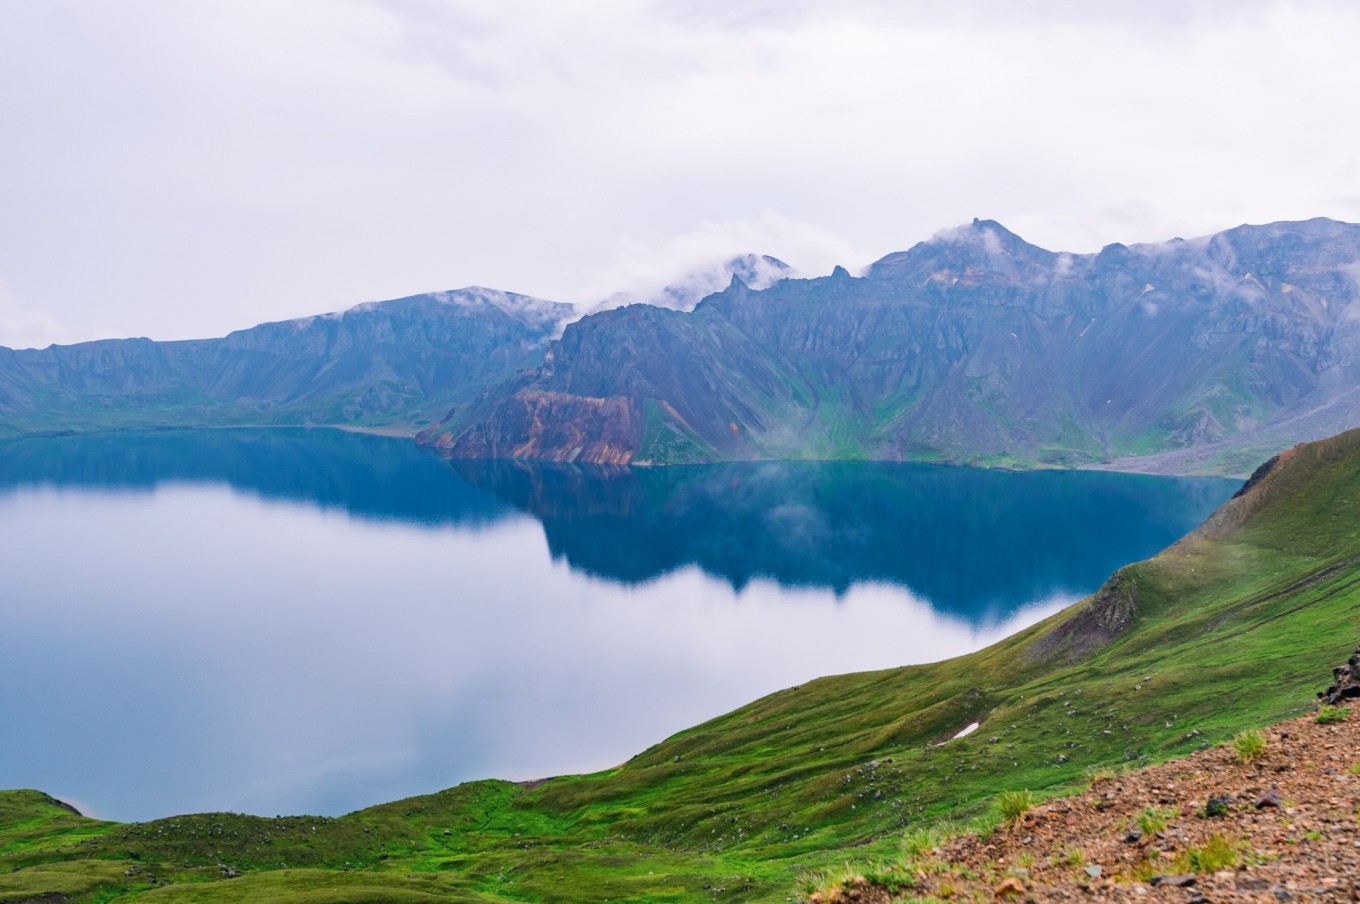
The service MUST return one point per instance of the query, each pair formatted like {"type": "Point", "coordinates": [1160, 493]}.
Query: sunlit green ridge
{"type": "Point", "coordinates": [1235, 625]}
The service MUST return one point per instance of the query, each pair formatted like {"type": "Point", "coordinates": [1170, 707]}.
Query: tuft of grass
{"type": "Point", "coordinates": [1330, 714]}
{"type": "Point", "coordinates": [1249, 745]}
{"type": "Point", "coordinates": [831, 885]}
{"type": "Point", "coordinates": [1155, 819]}
{"type": "Point", "coordinates": [1216, 854]}
{"type": "Point", "coordinates": [981, 826]}
{"type": "Point", "coordinates": [921, 842]}
{"type": "Point", "coordinates": [1012, 806]}
{"type": "Point", "coordinates": [1097, 774]}
{"type": "Point", "coordinates": [825, 881]}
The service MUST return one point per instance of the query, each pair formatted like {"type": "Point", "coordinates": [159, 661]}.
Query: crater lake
{"type": "Point", "coordinates": [310, 621]}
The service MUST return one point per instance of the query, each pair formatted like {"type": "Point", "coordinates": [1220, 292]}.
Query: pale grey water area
{"type": "Point", "coordinates": [308, 621]}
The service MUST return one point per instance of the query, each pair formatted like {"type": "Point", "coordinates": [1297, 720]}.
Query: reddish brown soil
{"type": "Point", "coordinates": [1305, 849]}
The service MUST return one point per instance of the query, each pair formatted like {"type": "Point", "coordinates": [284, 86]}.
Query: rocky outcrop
{"type": "Point", "coordinates": [552, 426]}
{"type": "Point", "coordinates": [1345, 682]}
{"type": "Point", "coordinates": [1257, 476]}
{"type": "Point", "coordinates": [1102, 618]}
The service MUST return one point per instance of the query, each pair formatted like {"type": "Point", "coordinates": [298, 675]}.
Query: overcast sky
{"type": "Point", "coordinates": [179, 169]}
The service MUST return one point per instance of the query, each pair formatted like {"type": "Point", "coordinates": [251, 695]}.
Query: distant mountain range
{"type": "Point", "coordinates": [975, 346]}
{"type": "Point", "coordinates": [402, 362]}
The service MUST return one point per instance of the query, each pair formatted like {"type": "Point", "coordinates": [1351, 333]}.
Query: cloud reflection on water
{"type": "Point", "coordinates": [316, 627]}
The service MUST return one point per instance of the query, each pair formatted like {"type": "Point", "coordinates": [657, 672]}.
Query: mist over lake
{"type": "Point", "coordinates": [312, 621]}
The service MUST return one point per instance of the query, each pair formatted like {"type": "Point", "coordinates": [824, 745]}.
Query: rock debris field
{"type": "Point", "coordinates": [1224, 824]}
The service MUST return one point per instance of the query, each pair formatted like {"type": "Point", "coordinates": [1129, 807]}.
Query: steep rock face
{"type": "Point", "coordinates": [384, 361]}
{"type": "Point", "coordinates": [554, 426]}
{"type": "Point", "coordinates": [1102, 618]}
{"type": "Point", "coordinates": [977, 346]}
{"type": "Point", "coordinates": [665, 385]}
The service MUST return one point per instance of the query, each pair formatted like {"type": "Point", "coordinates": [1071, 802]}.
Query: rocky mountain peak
{"type": "Point", "coordinates": [980, 250]}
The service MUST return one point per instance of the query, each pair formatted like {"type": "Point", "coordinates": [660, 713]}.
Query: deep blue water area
{"type": "Point", "coordinates": [276, 621]}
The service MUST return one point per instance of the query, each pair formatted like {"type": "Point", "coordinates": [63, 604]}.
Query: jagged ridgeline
{"type": "Point", "coordinates": [401, 362]}
{"type": "Point", "coordinates": [973, 347]}
{"type": "Point", "coordinates": [1193, 356]}
{"type": "Point", "coordinates": [1236, 625]}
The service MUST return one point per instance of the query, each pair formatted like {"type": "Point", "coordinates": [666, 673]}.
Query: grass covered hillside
{"type": "Point", "coordinates": [1236, 625]}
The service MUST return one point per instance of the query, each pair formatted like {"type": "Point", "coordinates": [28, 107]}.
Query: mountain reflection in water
{"type": "Point", "coordinates": [972, 542]}
{"type": "Point", "coordinates": [275, 621]}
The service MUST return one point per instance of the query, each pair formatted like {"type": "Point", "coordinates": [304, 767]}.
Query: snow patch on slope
{"type": "Point", "coordinates": [524, 308]}
{"type": "Point", "coordinates": [531, 311]}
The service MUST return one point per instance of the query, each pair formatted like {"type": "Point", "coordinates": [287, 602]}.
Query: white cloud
{"type": "Point", "coordinates": [23, 326]}
{"type": "Point", "coordinates": [200, 167]}
{"type": "Point", "coordinates": [641, 269]}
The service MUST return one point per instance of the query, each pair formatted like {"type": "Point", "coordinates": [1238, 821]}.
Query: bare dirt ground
{"type": "Point", "coordinates": [1284, 826]}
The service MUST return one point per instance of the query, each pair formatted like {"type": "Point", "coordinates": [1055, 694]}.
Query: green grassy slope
{"type": "Point", "coordinates": [1235, 625]}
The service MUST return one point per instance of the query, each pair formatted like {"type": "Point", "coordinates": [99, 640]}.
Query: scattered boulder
{"type": "Point", "coordinates": [1184, 880]}
{"type": "Point", "coordinates": [1009, 888]}
{"type": "Point", "coordinates": [1270, 799]}
{"type": "Point", "coordinates": [1345, 682]}
{"type": "Point", "coordinates": [1218, 805]}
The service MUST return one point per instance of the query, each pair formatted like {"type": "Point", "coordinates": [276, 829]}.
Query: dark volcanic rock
{"type": "Point", "coordinates": [1102, 618]}
{"type": "Point", "coordinates": [1182, 881]}
{"type": "Point", "coordinates": [1345, 682]}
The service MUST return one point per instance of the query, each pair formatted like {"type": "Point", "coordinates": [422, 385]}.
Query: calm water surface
{"type": "Point", "coordinates": [309, 621]}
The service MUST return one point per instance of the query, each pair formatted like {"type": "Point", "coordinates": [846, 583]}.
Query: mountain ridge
{"type": "Point", "coordinates": [377, 362]}
{"type": "Point", "coordinates": [972, 347]}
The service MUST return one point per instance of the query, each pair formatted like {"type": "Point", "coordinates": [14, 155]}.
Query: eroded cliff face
{"type": "Point", "coordinates": [551, 426]}
{"type": "Point", "coordinates": [976, 347]}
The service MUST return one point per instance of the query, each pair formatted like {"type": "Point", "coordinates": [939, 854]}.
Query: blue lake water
{"type": "Point", "coordinates": [310, 621]}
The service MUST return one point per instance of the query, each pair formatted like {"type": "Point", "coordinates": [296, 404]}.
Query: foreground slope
{"type": "Point", "coordinates": [974, 346]}
{"type": "Point", "coordinates": [1235, 625]}
{"type": "Point", "coordinates": [1278, 825]}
